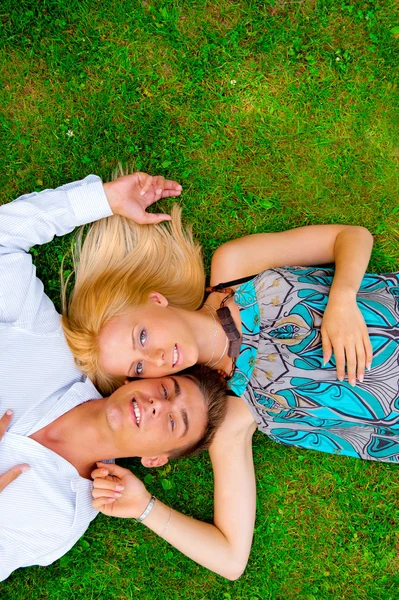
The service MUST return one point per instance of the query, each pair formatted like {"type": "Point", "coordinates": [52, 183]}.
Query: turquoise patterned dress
{"type": "Point", "coordinates": [280, 374]}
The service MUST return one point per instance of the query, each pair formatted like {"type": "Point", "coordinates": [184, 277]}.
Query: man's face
{"type": "Point", "coordinates": [152, 417]}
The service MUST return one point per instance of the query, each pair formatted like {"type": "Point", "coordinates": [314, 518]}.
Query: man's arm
{"type": "Point", "coordinates": [36, 218]}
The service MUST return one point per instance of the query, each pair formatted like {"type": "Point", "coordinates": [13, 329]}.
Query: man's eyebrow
{"type": "Point", "coordinates": [183, 412]}
{"type": "Point", "coordinates": [177, 386]}
{"type": "Point", "coordinates": [185, 421]}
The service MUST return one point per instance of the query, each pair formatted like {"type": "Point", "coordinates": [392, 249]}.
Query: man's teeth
{"type": "Point", "coordinates": [136, 412]}
{"type": "Point", "coordinates": [175, 355]}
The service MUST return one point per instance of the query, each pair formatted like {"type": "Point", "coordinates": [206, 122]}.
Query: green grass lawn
{"type": "Point", "coordinates": [272, 115]}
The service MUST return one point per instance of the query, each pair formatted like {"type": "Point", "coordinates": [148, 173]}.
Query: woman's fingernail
{"type": "Point", "coordinates": [117, 495]}
{"type": "Point", "coordinates": [119, 487]}
{"type": "Point", "coordinates": [9, 412]}
{"type": "Point", "coordinates": [25, 468]}
{"type": "Point", "coordinates": [361, 378]}
{"type": "Point", "coordinates": [368, 366]}
{"type": "Point", "coordinates": [142, 192]}
{"type": "Point", "coordinates": [159, 191]}
{"type": "Point", "coordinates": [353, 382]}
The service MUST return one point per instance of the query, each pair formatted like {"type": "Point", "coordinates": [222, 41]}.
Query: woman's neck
{"type": "Point", "coordinates": [208, 332]}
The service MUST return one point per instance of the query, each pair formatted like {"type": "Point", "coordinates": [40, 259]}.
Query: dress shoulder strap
{"type": "Point", "coordinates": [229, 284]}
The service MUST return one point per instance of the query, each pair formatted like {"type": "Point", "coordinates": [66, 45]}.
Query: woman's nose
{"type": "Point", "coordinates": [157, 357]}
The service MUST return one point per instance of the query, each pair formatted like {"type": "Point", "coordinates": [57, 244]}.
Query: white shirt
{"type": "Point", "coordinates": [45, 510]}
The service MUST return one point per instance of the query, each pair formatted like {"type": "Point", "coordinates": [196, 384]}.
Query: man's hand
{"type": "Point", "coordinates": [15, 472]}
{"type": "Point", "coordinates": [344, 331]}
{"type": "Point", "coordinates": [130, 196]}
{"type": "Point", "coordinates": [117, 492]}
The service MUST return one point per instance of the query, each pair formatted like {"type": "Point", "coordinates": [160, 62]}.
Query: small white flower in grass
{"type": "Point", "coordinates": [70, 133]}
{"type": "Point", "coordinates": [338, 58]}
{"type": "Point", "coordinates": [233, 81]}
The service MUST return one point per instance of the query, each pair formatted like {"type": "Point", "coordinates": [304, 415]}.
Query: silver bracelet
{"type": "Point", "coordinates": [147, 511]}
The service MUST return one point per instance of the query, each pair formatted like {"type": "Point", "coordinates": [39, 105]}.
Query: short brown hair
{"type": "Point", "coordinates": [215, 391]}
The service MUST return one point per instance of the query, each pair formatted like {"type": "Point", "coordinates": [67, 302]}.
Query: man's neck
{"type": "Point", "coordinates": [81, 436]}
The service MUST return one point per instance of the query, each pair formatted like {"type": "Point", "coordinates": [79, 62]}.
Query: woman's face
{"type": "Point", "coordinates": [152, 341]}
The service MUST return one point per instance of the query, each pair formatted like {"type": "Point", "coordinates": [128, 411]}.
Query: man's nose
{"type": "Point", "coordinates": [156, 357]}
{"type": "Point", "coordinates": [158, 406]}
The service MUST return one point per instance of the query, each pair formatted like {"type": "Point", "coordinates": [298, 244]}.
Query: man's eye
{"type": "Point", "coordinates": [172, 423]}
{"type": "Point", "coordinates": [139, 368]}
{"type": "Point", "coordinates": [143, 337]}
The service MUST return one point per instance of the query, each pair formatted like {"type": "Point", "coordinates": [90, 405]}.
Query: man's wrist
{"type": "Point", "coordinates": [112, 197]}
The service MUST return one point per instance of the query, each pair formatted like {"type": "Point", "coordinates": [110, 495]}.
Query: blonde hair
{"type": "Point", "coordinates": [116, 268]}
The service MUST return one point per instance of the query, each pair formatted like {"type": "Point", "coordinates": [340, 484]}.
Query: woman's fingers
{"type": "Point", "coordinates": [100, 503]}
{"type": "Point", "coordinates": [368, 350]}
{"type": "Point", "coordinates": [361, 360]}
{"type": "Point", "coordinates": [327, 347]}
{"type": "Point", "coordinates": [107, 484]}
{"type": "Point", "coordinates": [350, 353]}
{"type": "Point", "coordinates": [105, 493]}
{"type": "Point", "coordinates": [339, 353]}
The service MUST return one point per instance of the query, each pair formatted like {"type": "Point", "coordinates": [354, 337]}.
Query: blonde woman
{"type": "Point", "coordinates": [282, 338]}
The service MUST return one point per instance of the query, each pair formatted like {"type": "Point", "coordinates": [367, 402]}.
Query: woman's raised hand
{"type": "Point", "coordinates": [117, 492]}
{"type": "Point", "coordinates": [130, 196]}
{"type": "Point", "coordinates": [344, 332]}
{"type": "Point", "coordinates": [14, 472]}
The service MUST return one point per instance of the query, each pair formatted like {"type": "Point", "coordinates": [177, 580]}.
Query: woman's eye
{"type": "Point", "coordinates": [165, 392]}
{"type": "Point", "coordinates": [172, 423]}
{"type": "Point", "coordinates": [143, 337]}
{"type": "Point", "coordinates": [139, 368]}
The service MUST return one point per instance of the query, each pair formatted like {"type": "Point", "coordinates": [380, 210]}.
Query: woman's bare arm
{"type": "Point", "coordinates": [343, 330]}
{"type": "Point", "coordinates": [222, 547]}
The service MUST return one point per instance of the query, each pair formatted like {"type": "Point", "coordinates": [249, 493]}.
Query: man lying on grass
{"type": "Point", "coordinates": [60, 424]}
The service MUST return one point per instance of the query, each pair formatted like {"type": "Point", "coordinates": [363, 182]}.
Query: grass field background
{"type": "Point", "coordinates": [271, 115]}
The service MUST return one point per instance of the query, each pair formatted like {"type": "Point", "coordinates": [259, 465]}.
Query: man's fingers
{"type": "Point", "coordinates": [108, 484]}
{"type": "Point", "coordinates": [5, 421]}
{"type": "Point", "coordinates": [145, 183]}
{"type": "Point", "coordinates": [172, 185]}
{"type": "Point", "coordinates": [112, 469]}
{"type": "Point", "coordinates": [170, 193]}
{"type": "Point", "coordinates": [11, 475]}
{"type": "Point", "coordinates": [105, 493]}
{"type": "Point", "coordinates": [154, 218]}
{"type": "Point", "coordinates": [101, 504]}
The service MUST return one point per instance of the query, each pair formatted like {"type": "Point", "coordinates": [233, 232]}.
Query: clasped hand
{"type": "Point", "coordinates": [14, 472]}
{"type": "Point", "coordinates": [117, 492]}
{"type": "Point", "coordinates": [344, 332]}
{"type": "Point", "coordinates": [130, 196]}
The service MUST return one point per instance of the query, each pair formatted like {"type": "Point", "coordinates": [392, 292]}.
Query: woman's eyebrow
{"type": "Point", "coordinates": [134, 348]}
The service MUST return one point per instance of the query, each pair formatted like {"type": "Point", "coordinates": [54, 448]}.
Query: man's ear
{"type": "Point", "coordinates": [154, 461]}
{"type": "Point", "coordinates": [158, 299]}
